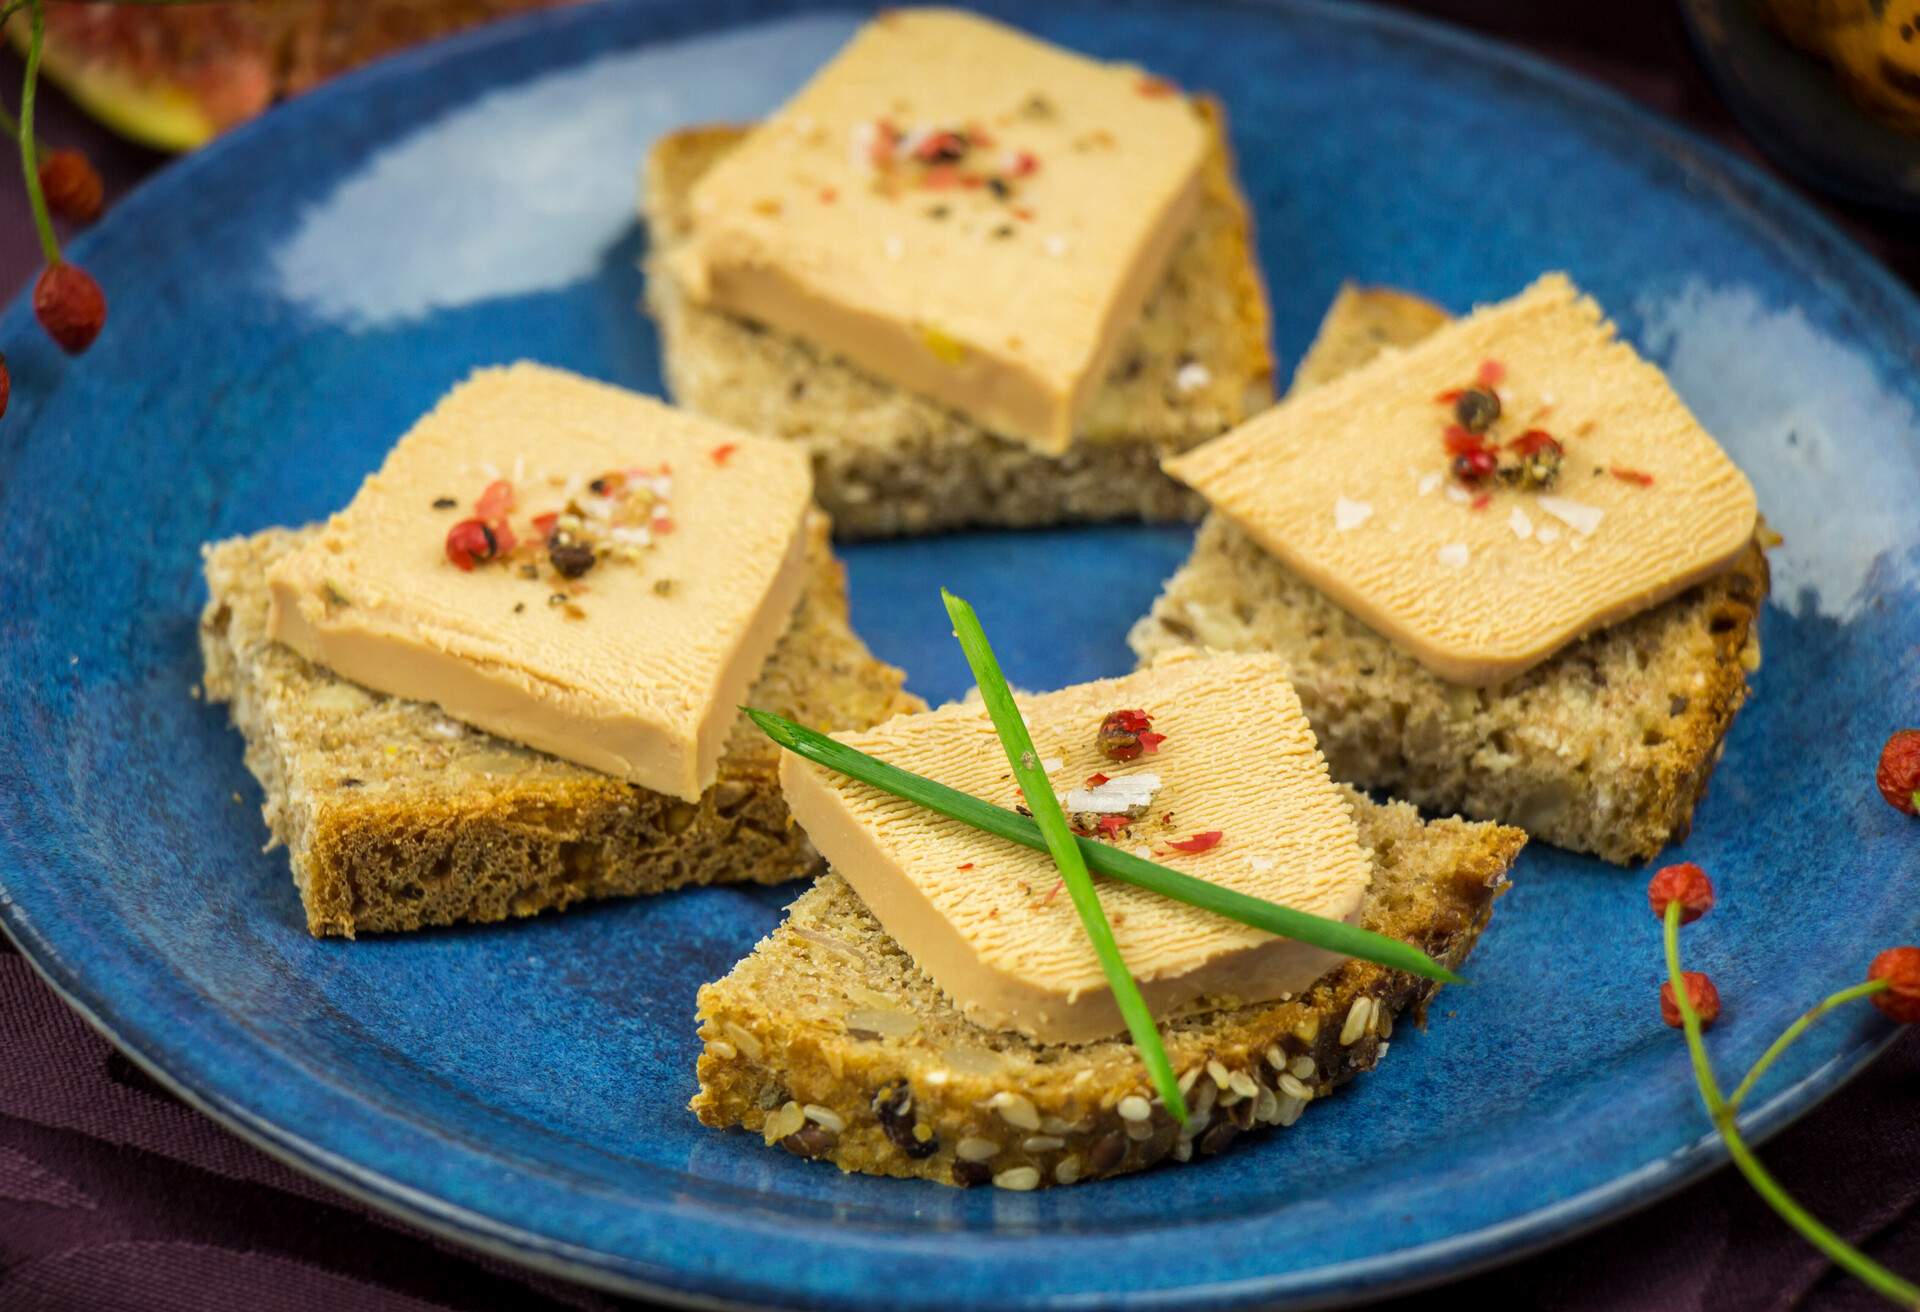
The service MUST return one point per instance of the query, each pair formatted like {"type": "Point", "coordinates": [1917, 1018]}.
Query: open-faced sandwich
{"type": "Point", "coordinates": [505, 677]}
{"type": "Point", "coordinates": [936, 1007]}
{"type": "Point", "coordinates": [977, 278]}
{"type": "Point", "coordinates": [1507, 570]}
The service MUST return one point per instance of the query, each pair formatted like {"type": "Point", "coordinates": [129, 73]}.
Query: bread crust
{"type": "Point", "coordinates": [888, 463]}
{"type": "Point", "coordinates": [395, 818]}
{"type": "Point", "coordinates": [828, 1021]}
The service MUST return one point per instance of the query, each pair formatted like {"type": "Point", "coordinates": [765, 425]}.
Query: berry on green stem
{"type": "Point", "coordinates": [1900, 1000]}
{"type": "Point", "coordinates": [73, 187]}
{"type": "Point", "coordinates": [1685, 883]}
{"type": "Point", "coordinates": [1700, 992]}
{"type": "Point", "coordinates": [70, 306]}
{"type": "Point", "coordinates": [1899, 774]}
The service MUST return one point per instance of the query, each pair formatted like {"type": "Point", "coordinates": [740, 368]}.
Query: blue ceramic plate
{"type": "Point", "coordinates": [287, 301]}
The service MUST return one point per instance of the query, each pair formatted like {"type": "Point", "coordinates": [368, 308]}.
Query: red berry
{"type": "Point", "coordinates": [1124, 735]}
{"type": "Point", "coordinates": [471, 540]}
{"type": "Point", "coordinates": [70, 306]}
{"type": "Point", "coordinates": [1473, 466]}
{"type": "Point", "coordinates": [1899, 772]}
{"type": "Point", "coordinates": [1535, 440]}
{"type": "Point", "coordinates": [1900, 967]}
{"type": "Point", "coordinates": [1686, 884]}
{"type": "Point", "coordinates": [1700, 992]}
{"type": "Point", "coordinates": [73, 189]}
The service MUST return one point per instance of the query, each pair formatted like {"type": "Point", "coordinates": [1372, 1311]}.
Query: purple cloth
{"type": "Point", "coordinates": [114, 1195]}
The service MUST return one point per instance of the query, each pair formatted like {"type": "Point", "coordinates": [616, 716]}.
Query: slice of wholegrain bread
{"type": "Point", "coordinates": [829, 1040]}
{"type": "Point", "coordinates": [1604, 748]}
{"type": "Point", "coordinates": [888, 462]}
{"type": "Point", "coordinates": [396, 817]}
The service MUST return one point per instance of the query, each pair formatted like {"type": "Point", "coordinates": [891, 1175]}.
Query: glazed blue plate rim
{"type": "Point", "coordinates": [1398, 1269]}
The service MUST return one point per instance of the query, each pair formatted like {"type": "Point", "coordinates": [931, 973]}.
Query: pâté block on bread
{"type": "Point", "coordinates": [961, 209]}
{"type": "Point", "coordinates": [1605, 747]}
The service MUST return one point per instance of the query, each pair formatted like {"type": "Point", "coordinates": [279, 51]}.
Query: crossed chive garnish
{"type": "Point", "coordinates": [1052, 822]}
{"type": "Point", "coordinates": [1077, 858]}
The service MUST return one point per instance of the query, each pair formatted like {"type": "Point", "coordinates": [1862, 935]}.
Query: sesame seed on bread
{"type": "Point", "coordinates": [887, 462]}
{"type": "Point", "coordinates": [1605, 747]}
{"type": "Point", "coordinates": [830, 1042]}
{"type": "Point", "coordinates": [396, 817]}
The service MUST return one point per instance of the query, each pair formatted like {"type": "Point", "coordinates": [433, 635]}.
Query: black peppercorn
{"type": "Point", "coordinates": [570, 559]}
{"type": "Point", "coordinates": [1476, 408]}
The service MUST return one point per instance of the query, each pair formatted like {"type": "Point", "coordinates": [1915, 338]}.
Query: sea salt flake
{"type": "Point", "coordinates": [1119, 794]}
{"type": "Point", "coordinates": [1522, 526]}
{"type": "Point", "coordinates": [1048, 764]}
{"type": "Point", "coordinates": [1349, 514]}
{"type": "Point", "coordinates": [1429, 483]}
{"type": "Point", "coordinates": [1547, 533]}
{"type": "Point", "coordinates": [1192, 376]}
{"type": "Point", "coordinates": [1457, 494]}
{"type": "Point", "coordinates": [1260, 864]}
{"type": "Point", "coordinates": [860, 146]}
{"type": "Point", "coordinates": [894, 248]}
{"type": "Point", "coordinates": [1055, 245]}
{"type": "Point", "coordinates": [1453, 555]}
{"type": "Point", "coordinates": [1576, 515]}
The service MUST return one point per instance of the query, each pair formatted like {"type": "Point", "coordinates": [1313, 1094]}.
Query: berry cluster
{"type": "Point", "coordinates": [1681, 894]}
{"type": "Point", "coordinates": [67, 301]}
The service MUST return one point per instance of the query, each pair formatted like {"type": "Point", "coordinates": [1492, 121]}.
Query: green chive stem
{"type": "Point", "coordinates": [1101, 858]}
{"type": "Point", "coordinates": [1795, 1030]}
{"type": "Point", "coordinates": [29, 159]}
{"type": "Point", "coordinates": [1862, 1267]}
{"type": "Point", "coordinates": [1066, 853]}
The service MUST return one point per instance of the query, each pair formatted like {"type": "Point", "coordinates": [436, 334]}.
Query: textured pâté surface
{"type": "Point", "coordinates": [983, 918]}
{"type": "Point", "coordinates": [625, 678]}
{"type": "Point", "coordinates": [828, 1040]}
{"type": "Point", "coordinates": [1025, 286]}
{"type": "Point", "coordinates": [1605, 747]}
{"type": "Point", "coordinates": [1482, 593]}
{"type": "Point", "coordinates": [396, 817]}
{"type": "Point", "coordinates": [887, 462]}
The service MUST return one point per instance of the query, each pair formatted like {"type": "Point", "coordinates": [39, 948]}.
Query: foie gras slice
{"type": "Point", "coordinates": [1483, 543]}
{"type": "Point", "coordinates": [620, 573]}
{"type": "Point", "coordinates": [1234, 792]}
{"type": "Point", "coordinates": [967, 212]}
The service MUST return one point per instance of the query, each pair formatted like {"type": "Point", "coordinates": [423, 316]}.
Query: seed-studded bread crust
{"type": "Point", "coordinates": [829, 1041]}
{"type": "Point", "coordinates": [1604, 748]}
{"type": "Point", "coordinates": [396, 817]}
{"type": "Point", "coordinates": [887, 462]}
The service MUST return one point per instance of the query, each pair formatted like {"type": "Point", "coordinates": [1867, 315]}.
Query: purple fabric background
{"type": "Point", "coordinates": [114, 1195]}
